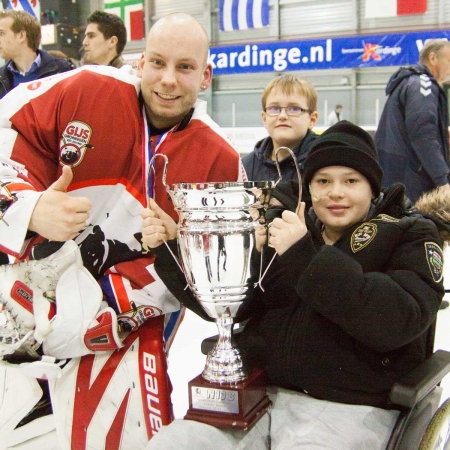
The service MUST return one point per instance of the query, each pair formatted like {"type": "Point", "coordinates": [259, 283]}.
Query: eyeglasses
{"type": "Point", "coordinates": [290, 110]}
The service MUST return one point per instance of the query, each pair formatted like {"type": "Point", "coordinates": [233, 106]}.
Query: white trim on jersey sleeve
{"type": "Point", "coordinates": [15, 99]}
{"type": "Point", "coordinates": [14, 226]}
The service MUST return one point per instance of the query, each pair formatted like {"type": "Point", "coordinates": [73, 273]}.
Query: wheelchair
{"type": "Point", "coordinates": [422, 424]}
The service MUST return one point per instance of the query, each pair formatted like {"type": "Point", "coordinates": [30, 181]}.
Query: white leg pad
{"type": "Point", "coordinates": [18, 395]}
{"type": "Point", "coordinates": [78, 299]}
{"type": "Point", "coordinates": [46, 368]}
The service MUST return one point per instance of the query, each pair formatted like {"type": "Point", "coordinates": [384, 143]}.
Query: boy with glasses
{"type": "Point", "coordinates": [289, 114]}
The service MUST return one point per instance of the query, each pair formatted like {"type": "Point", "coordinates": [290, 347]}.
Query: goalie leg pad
{"type": "Point", "coordinates": [18, 395]}
{"type": "Point", "coordinates": [45, 368]}
{"type": "Point", "coordinates": [78, 299]}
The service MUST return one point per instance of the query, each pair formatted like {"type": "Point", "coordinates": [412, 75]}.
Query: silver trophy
{"type": "Point", "coordinates": [216, 238]}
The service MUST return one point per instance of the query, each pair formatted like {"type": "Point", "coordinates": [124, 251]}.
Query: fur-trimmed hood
{"type": "Point", "coordinates": [435, 205]}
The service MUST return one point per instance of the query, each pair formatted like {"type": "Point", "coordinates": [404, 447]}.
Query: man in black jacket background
{"type": "Point", "coordinates": [20, 36]}
{"type": "Point", "coordinates": [412, 136]}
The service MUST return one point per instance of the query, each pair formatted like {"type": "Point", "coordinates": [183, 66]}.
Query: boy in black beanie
{"type": "Point", "coordinates": [343, 310]}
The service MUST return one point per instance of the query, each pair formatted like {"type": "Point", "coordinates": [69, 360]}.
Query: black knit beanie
{"type": "Point", "coordinates": [344, 144]}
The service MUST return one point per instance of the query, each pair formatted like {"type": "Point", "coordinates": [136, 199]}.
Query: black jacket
{"type": "Point", "coordinates": [260, 167]}
{"type": "Point", "coordinates": [412, 134]}
{"type": "Point", "coordinates": [342, 322]}
{"type": "Point", "coordinates": [49, 66]}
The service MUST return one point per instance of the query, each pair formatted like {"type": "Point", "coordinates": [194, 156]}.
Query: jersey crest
{"type": "Point", "coordinates": [74, 143]}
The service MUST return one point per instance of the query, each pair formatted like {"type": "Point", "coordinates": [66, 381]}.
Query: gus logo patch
{"type": "Point", "coordinates": [74, 143]}
{"type": "Point", "coordinates": [363, 236]}
{"type": "Point", "coordinates": [131, 320]}
{"type": "Point", "coordinates": [435, 260]}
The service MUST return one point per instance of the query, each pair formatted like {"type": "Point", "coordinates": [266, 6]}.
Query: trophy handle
{"type": "Point", "coordinates": [150, 164]}
{"type": "Point", "coordinates": [298, 173]}
{"type": "Point", "coordinates": [291, 153]}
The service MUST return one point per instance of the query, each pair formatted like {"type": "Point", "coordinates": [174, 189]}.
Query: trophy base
{"type": "Point", "coordinates": [234, 407]}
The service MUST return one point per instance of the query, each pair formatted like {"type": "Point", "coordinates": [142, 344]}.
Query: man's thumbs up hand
{"type": "Point", "coordinates": [57, 216]}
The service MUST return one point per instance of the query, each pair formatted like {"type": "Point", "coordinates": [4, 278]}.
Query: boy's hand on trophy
{"type": "Point", "coordinates": [157, 226]}
{"type": "Point", "coordinates": [288, 229]}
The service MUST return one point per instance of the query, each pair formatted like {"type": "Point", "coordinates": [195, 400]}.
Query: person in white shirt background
{"type": "Point", "coordinates": [335, 116]}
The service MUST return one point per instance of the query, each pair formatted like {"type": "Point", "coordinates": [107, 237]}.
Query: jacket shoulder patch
{"type": "Point", "coordinates": [363, 236]}
{"type": "Point", "coordinates": [384, 218]}
{"type": "Point", "coordinates": [435, 260]}
{"type": "Point", "coordinates": [425, 85]}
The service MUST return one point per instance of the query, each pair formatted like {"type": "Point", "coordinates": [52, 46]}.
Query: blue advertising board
{"type": "Point", "coordinates": [331, 53]}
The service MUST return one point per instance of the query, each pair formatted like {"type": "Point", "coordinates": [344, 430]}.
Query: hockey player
{"type": "Point", "coordinates": [74, 163]}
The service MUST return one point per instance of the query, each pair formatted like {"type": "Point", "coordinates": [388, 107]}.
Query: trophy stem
{"type": "Point", "coordinates": [224, 363]}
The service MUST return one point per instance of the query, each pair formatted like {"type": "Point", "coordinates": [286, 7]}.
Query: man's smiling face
{"type": "Point", "coordinates": [173, 70]}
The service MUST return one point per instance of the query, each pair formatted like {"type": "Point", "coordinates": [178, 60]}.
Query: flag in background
{"type": "Point", "coordinates": [391, 8]}
{"type": "Point", "coordinates": [243, 14]}
{"type": "Point", "coordinates": [132, 14]}
{"type": "Point", "coordinates": [30, 6]}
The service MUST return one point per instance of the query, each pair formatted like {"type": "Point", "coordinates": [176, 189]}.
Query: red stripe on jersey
{"type": "Point", "coordinates": [16, 187]}
{"type": "Point", "coordinates": [121, 294]}
{"type": "Point", "coordinates": [136, 271]}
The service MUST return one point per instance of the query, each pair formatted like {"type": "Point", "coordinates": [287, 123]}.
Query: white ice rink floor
{"type": "Point", "coordinates": [186, 361]}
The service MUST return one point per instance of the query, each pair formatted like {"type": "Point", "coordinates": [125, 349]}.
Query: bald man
{"type": "Point", "coordinates": [75, 163]}
{"type": "Point", "coordinates": [173, 75]}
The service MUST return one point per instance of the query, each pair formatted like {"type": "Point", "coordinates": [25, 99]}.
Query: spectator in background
{"type": "Point", "coordinates": [105, 39]}
{"type": "Point", "coordinates": [20, 36]}
{"type": "Point", "coordinates": [289, 113]}
{"type": "Point", "coordinates": [335, 116]}
{"type": "Point", "coordinates": [412, 135]}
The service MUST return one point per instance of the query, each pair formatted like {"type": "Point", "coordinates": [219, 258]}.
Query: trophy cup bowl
{"type": "Point", "coordinates": [216, 238]}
